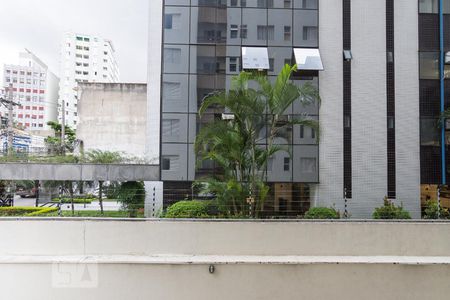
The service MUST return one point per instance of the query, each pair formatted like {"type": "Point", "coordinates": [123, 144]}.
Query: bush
{"type": "Point", "coordinates": [25, 211]}
{"type": "Point", "coordinates": [132, 196]}
{"type": "Point", "coordinates": [432, 211]}
{"type": "Point", "coordinates": [188, 210]}
{"type": "Point", "coordinates": [75, 200]}
{"type": "Point", "coordinates": [389, 211]}
{"type": "Point", "coordinates": [322, 213]}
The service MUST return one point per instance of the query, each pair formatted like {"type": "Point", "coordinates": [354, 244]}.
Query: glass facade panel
{"type": "Point", "coordinates": [429, 65]}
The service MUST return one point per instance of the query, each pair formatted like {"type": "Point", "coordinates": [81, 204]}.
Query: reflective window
{"type": "Point", "coordinates": [429, 6]}
{"type": "Point", "coordinates": [429, 65]}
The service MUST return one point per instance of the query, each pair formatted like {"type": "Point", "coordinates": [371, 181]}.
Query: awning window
{"type": "Point", "coordinates": [308, 59]}
{"type": "Point", "coordinates": [255, 58]}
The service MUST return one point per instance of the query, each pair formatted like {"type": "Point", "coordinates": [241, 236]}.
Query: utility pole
{"type": "Point", "coordinates": [63, 128]}
{"type": "Point", "coordinates": [10, 120]}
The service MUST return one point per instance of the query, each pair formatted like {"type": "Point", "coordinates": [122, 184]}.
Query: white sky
{"type": "Point", "coordinates": [39, 25]}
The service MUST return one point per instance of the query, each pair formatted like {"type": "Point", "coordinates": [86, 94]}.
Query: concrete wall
{"type": "Point", "coordinates": [146, 259]}
{"type": "Point", "coordinates": [113, 117]}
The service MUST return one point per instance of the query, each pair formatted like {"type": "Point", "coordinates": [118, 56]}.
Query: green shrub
{"type": "Point", "coordinates": [132, 196]}
{"type": "Point", "coordinates": [389, 211]}
{"type": "Point", "coordinates": [188, 210]}
{"type": "Point", "coordinates": [432, 211]}
{"type": "Point", "coordinates": [25, 211]}
{"type": "Point", "coordinates": [75, 200]}
{"type": "Point", "coordinates": [322, 213]}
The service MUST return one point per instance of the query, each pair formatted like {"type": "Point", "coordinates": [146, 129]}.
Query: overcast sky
{"type": "Point", "coordinates": [39, 25]}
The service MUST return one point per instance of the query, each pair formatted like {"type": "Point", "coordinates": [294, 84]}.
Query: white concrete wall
{"type": "Point", "coordinates": [113, 117]}
{"type": "Point", "coordinates": [55, 259]}
{"type": "Point", "coordinates": [407, 105]}
{"type": "Point", "coordinates": [331, 157]}
{"type": "Point", "coordinates": [154, 79]}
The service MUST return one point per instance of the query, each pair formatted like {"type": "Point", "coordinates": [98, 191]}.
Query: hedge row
{"type": "Point", "coordinates": [76, 201]}
{"type": "Point", "coordinates": [25, 211]}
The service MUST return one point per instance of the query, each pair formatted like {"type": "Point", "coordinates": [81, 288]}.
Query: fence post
{"type": "Point", "coordinates": [439, 202]}
{"type": "Point", "coordinates": [154, 203]}
{"type": "Point", "coordinates": [345, 204]}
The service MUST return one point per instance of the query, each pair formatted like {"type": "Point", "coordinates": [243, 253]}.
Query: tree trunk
{"type": "Point", "coordinates": [71, 197]}
{"type": "Point", "coordinates": [100, 196]}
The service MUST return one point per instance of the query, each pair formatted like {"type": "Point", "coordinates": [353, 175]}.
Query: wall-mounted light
{"type": "Point", "coordinates": [212, 269]}
{"type": "Point", "coordinates": [348, 55]}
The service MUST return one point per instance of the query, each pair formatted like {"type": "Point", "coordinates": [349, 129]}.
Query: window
{"type": "Point", "coordinates": [265, 32]}
{"type": "Point", "coordinates": [172, 55]}
{"type": "Point", "coordinates": [347, 122]}
{"type": "Point", "coordinates": [391, 122]}
{"type": "Point", "coordinates": [79, 38]}
{"type": "Point", "coordinates": [85, 65]}
{"type": "Point", "coordinates": [271, 64]}
{"type": "Point", "coordinates": [308, 59]}
{"type": "Point", "coordinates": [302, 131]}
{"type": "Point", "coordinates": [172, 90]}
{"type": "Point", "coordinates": [255, 58]}
{"type": "Point", "coordinates": [166, 164]}
{"type": "Point", "coordinates": [429, 65]}
{"type": "Point", "coordinates": [348, 55]}
{"type": "Point", "coordinates": [244, 31]}
{"type": "Point", "coordinates": [86, 39]}
{"type": "Point", "coordinates": [429, 6]}
{"type": "Point", "coordinates": [86, 48]}
{"type": "Point", "coordinates": [78, 56]}
{"type": "Point", "coordinates": [243, 3]}
{"type": "Point", "coordinates": [78, 64]}
{"type": "Point", "coordinates": [309, 32]}
{"type": "Point", "coordinates": [233, 64]}
{"type": "Point", "coordinates": [85, 73]}
{"type": "Point", "coordinates": [313, 133]}
{"type": "Point", "coordinates": [234, 31]}
{"type": "Point", "coordinates": [167, 21]}
{"type": "Point", "coordinates": [287, 3]}
{"type": "Point", "coordinates": [287, 164]}
{"type": "Point", "coordinates": [86, 56]}
{"type": "Point", "coordinates": [265, 3]}
{"type": "Point", "coordinates": [234, 3]}
{"type": "Point", "coordinates": [308, 165]}
{"type": "Point", "coordinates": [287, 33]}
{"type": "Point", "coordinates": [79, 48]}
{"type": "Point", "coordinates": [171, 128]}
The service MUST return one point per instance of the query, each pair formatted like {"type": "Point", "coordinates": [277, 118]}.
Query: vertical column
{"type": "Point", "coordinates": [442, 91]}
{"type": "Point", "coordinates": [390, 100]}
{"type": "Point", "coordinates": [347, 93]}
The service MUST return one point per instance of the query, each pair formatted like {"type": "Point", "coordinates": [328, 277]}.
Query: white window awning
{"type": "Point", "coordinates": [255, 58]}
{"type": "Point", "coordinates": [308, 59]}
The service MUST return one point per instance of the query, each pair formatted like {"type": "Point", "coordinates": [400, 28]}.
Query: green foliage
{"type": "Point", "coordinates": [54, 142]}
{"type": "Point", "coordinates": [234, 145]}
{"type": "Point", "coordinates": [390, 211]}
{"type": "Point", "coordinates": [132, 196]}
{"type": "Point", "coordinates": [188, 210]}
{"type": "Point", "coordinates": [104, 157]}
{"type": "Point", "coordinates": [25, 211]}
{"type": "Point", "coordinates": [95, 214]}
{"type": "Point", "coordinates": [432, 211]}
{"type": "Point", "coordinates": [75, 200]}
{"type": "Point", "coordinates": [322, 213]}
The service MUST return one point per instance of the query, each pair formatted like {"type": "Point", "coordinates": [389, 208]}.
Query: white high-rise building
{"type": "Point", "coordinates": [36, 89]}
{"type": "Point", "coordinates": [84, 58]}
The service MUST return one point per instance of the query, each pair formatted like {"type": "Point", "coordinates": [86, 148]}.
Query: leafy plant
{"type": "Point", "coordinates": [103, 157]}
{"type": "Point", "coordinates": [188, 210]}
{"type": "Point", "coordinates": [54, 142]}
{"type": "Point", "coordinates": [25, 211]}
{"type": "Point", "coordinates": [432, 211]}
{"type": "Point", "coordinates": [390, 211]}
{"type": "Point", "coordinates": [132, 196]}
{"type": "Point", "coordinates": [322, 213]}
{"type": "Point", "coordinates": [234, 143]}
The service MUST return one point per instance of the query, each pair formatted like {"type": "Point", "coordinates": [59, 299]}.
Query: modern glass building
{"type": "Point", "coordinates": [383, 73]}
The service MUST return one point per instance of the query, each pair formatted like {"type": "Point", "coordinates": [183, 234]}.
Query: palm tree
{"type": "Point", "coordinates": [234, 143]}
{"type": "Point", "coordinates": [103, 157]}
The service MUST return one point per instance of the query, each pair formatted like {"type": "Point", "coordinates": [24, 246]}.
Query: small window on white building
{"type": "Point", "coordinates": [255, 58]}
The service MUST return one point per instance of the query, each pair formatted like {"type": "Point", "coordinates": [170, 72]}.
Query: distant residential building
{"type": "Point", "coordinates": [84, 58]}
{"type": "Point", "coordinates": [113, 117]}
{"type": "Point", "coordinates": [35, 87]}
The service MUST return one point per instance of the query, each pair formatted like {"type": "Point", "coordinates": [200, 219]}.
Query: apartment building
{"type": "Point", "coordinates": [35, 87]}
{"type": "Point", "coordinates": [380, 67]}
{"type": "Point", "coordinates": [84, 58]}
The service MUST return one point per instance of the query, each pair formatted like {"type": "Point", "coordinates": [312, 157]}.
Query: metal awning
{"type": "Point", "coordinates": [308, 59]}
{"type": "Point", "coordinates": [255, 58]}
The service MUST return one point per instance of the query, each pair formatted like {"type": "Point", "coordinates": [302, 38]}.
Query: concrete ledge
{"type": "Point", "coordinates": [78, 172]}
{"type": "Point", "coordinates": [226, 260]}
